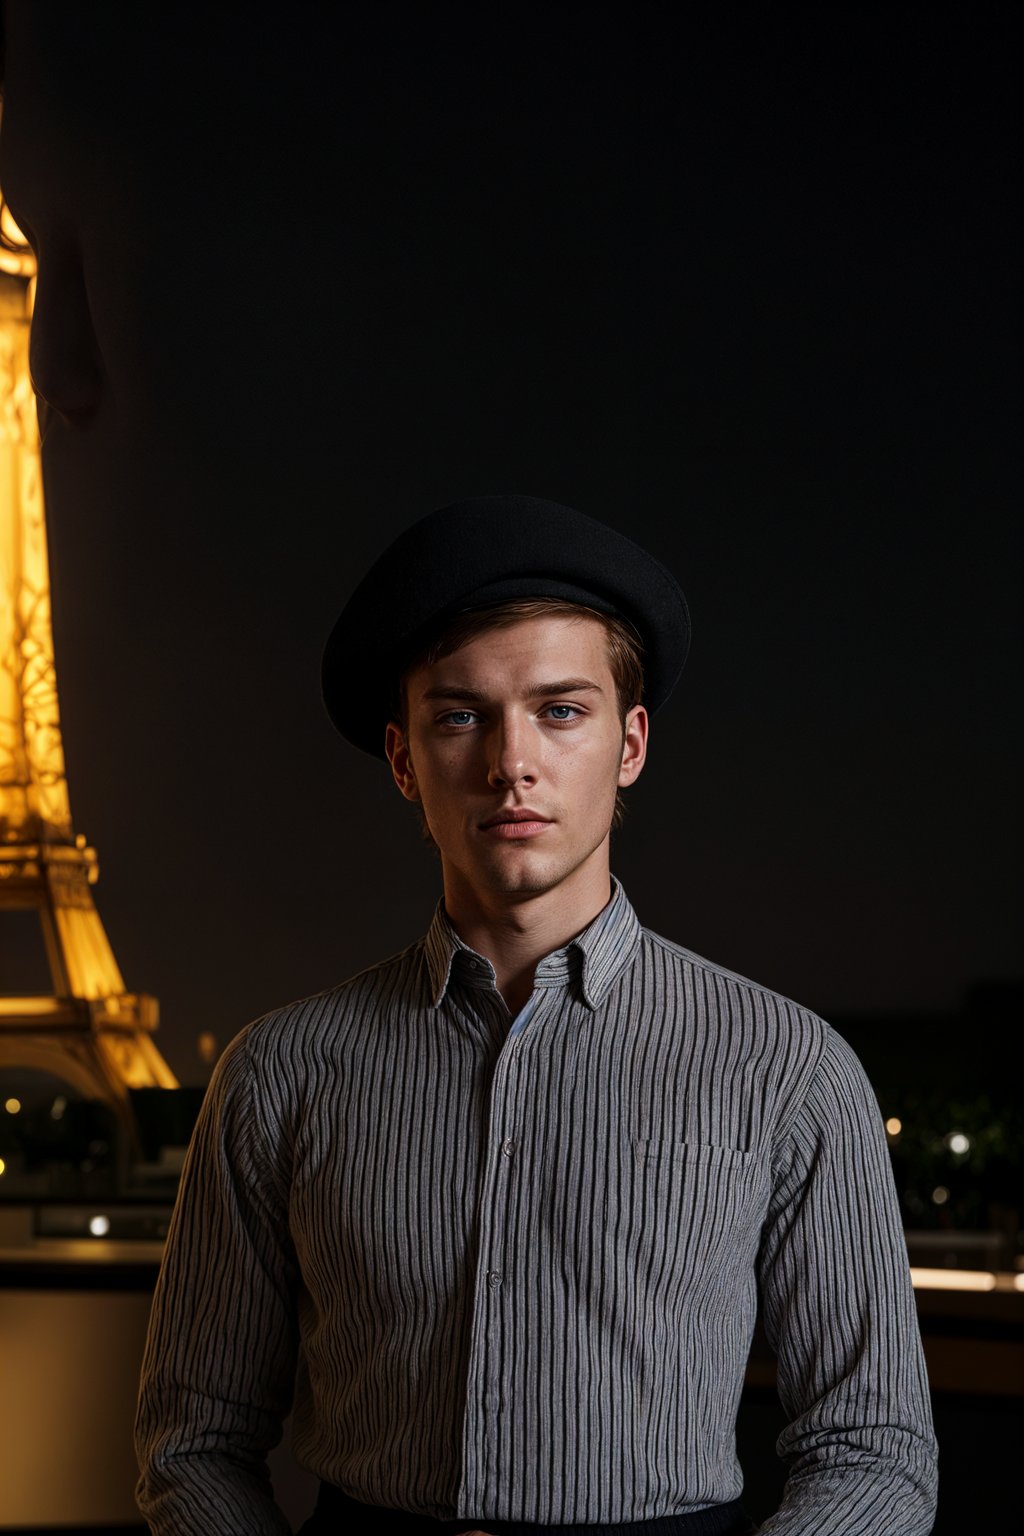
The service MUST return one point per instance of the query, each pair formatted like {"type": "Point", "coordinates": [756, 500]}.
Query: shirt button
{"type": "Point", "coordinates": [508, 1146]}
{"type": "Point", "coordinates": [494, 1279]}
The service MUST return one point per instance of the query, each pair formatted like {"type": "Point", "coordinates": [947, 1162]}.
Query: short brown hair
{"type": "Point", "coordinates": [625, 651]}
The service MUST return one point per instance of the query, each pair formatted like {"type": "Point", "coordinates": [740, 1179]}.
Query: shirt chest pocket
{"type": "Point", "coordinates": [700, 1207]}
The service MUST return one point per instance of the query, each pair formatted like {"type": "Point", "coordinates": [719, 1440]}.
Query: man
{"type": "Point", "coordinates": [502, 1207]}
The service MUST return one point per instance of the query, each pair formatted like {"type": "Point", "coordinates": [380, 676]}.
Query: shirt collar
{"type": "Point", "coordinates": [595, 957]}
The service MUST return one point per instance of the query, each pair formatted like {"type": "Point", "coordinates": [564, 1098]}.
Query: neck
{"type": "Point", "coordinates": [515, 931]}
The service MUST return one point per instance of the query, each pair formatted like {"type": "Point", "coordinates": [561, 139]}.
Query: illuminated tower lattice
{"type": "Point", "coordinates": [88, 1030]}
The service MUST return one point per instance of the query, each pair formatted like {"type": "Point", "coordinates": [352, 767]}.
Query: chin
{"type": "Point", "coordinates": [511, 875]}
{"type": "Point", "coordinates": [525, 884]}
{"type": "Point", "coordinates": [529, 876]}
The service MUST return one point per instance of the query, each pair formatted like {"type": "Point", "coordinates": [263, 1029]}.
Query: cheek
{"type": "Point", "coordinates": [446, 764]}
{"type": "Point", "coordinates": [595, 762]}
{"type": "Point", "coordinates": [442, 776]}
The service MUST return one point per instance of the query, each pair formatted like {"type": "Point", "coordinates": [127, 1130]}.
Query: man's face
{"type": "Point", "coordinates": [521, 720]}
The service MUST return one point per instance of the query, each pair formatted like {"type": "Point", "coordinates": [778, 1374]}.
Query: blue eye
{"type": "Point", "coordinates": [563, 711]}
{"type": "Point", "coordinates": [459, 717]}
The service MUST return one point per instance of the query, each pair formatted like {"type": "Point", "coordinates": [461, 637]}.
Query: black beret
{"type": "Point", "coordinates": [474, 554]}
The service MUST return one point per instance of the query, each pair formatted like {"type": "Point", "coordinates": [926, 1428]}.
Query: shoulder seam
{"type": "Point", "coordinates": [700, 963]}
{"type": "Point", "coordinates": [336, 990]}
{"type": "Point", "coordinates": [257, 1110]}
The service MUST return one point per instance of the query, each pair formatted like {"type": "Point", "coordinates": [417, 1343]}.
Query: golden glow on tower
{"type": "Point", "coordinates": [88, 1029]}
{"type": "Point", "coordinates": [33, 787]}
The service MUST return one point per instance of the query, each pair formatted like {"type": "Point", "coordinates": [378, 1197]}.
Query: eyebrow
{"type": "Point", "coordinates": [535, 691]}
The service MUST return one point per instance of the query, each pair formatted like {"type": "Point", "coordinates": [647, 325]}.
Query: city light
{"type": "Point", "coordinates": [3, 1167]}
{"type": "Point", "coordinates": [957, 1142]}
{"type": "Point", "coordinates": [894, 1126]}
{"type": "Point", "coordinates": [953, 1280]}
{"type": "Point", "coordinates": [940, 1195]}
{"type": "Point", "coordinates": [12, 1106]}
{"type": "Point", "coordinates": [99, 1226]}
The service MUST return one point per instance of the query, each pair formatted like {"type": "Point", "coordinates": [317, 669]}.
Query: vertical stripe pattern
{"type": "Point", "coordinates": [510, 1269]}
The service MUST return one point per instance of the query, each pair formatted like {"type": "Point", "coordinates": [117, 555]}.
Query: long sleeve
{"type": "Point", "coordinates": [219, 1364]}
{"type": "Point", "coordinates": [839, 1311]}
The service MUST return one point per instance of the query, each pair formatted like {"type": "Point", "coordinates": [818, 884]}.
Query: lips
{"type": "Point", "coordinates": [514, 814]}
{"type": "Point", "coordinates": [515, 824]}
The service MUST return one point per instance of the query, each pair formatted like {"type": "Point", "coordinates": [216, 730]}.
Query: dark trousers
{"type": "Point", "coordinates": [338, 1515]}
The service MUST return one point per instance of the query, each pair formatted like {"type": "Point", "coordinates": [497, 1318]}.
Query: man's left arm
{"type": "Point", "coordinates": [838, 1308]}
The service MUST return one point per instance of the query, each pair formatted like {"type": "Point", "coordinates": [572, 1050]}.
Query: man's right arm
{"type": "Point", "coordinates": [839, 1311]}
{"type": "Point", "coordinates": [219, 1365]}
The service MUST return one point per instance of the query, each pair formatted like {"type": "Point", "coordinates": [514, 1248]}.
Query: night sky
{"type": "Point", "coordinates": [744, 285]}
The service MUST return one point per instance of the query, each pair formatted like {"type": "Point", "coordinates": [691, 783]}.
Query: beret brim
{"type": "Point", "coordinates": [474, 554]}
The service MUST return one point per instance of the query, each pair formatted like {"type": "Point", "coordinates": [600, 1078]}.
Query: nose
{"type": "Point", "coordinates": [63, 357]}
{"type": "Point", "coordinates": [512, 754]}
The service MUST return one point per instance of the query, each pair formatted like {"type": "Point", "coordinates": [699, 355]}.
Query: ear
{"type": "Point", "coordinates": [397, 749]}
{"type": "Point", "coordinates": [634, 746]}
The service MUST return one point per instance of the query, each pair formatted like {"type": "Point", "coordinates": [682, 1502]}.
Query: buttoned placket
{"type": "Point", "coordinates": [485, 1399]}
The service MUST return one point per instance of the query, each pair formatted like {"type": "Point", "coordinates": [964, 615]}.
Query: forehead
{"type": "Point", "coordinates": [547, 648]}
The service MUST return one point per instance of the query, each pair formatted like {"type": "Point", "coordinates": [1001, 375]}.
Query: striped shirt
{"type": "Point", "coordinates": [510, 1268]}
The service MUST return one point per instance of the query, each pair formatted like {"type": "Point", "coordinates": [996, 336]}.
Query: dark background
{"type": "Point", "coordinates": [743, 284]}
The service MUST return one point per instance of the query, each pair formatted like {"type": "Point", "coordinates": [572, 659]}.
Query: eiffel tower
{"type": "Point", "coordinates": [88, 1030]}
